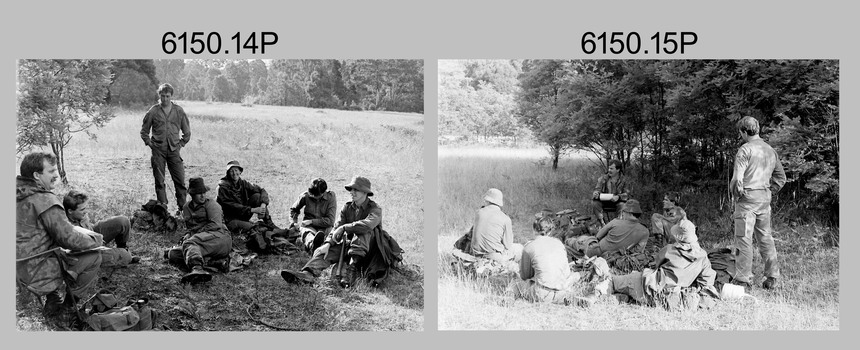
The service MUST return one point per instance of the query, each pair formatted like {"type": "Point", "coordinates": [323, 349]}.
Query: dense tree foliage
{"type": "Point", "coordinates": [674, 121]}
{"type": "Point", "coordinates": [390, 85]}
{"type": "Point", "coordinates": [58, 98]}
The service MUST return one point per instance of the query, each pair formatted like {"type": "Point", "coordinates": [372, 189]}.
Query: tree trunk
{"type": "Point", "coordinates": [57, 147]}
{"type": "Point", "coordinates": [556, 151]}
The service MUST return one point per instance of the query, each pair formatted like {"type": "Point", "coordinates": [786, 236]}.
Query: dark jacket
{"type": "Point", "coordinates": [42, 227]}
{"type": "Point", "coordinates": [321, 212]}
{"type": "Point", "coordinates": [235, 198]}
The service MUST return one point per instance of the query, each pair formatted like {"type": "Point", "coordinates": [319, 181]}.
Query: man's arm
{"type": "Point", "coordinates": [604, 230]}
{"type": "Point", "coordinates": [508, 235]}
{"type": "Point", "coordinates": [230, 205]}
{"type": "Point", "coordinates": [777, 179]}
{"type": "Point", "coordinates": [526, 269]}
{"type": "Point", "coordinates": [367, 224]}
{"type": "Point", "coordinates": [145, 128]}
{"type": "Point", "coordinates": [736, 186]}
{"type": "Point", "coordinates": [297, 208]}
{"type": "Point", "coordinates": [185, 126]}
{"type": "Point", "coordinates": [65, 234]}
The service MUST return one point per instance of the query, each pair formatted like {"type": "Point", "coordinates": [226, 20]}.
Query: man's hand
{"type": "Point", "coordinates": [615, 198]}
{"type": "Point", "coordinates": [337, 235]}
{"type": "Point", "coordinates": [595, 195]}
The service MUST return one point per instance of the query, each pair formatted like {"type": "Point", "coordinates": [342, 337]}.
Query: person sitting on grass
{"type": "Point", "coordinates": [612, 183]}
{"type": "Point", "coordinates": [241, 199]}
{"type": "Point", "coordinates": [682, 278]}
{"type": "Point", "coordinates": [622, 233]}
{"type": "Point", "coordinates": [493, 233]}
{"type": "Point", "coordinates": [320, 207]}
{"type": "Point", "coordinates": [206, 237]}
{"type": "Point", "coordinates": [114, 229]}
{"type": "Point", "coordinates": [661, 223]}
{"type": "Point", "coordinates": [544, 272]}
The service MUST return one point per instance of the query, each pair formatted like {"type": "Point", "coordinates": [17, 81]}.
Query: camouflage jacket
{"type": "Point", "coordinates": [42, 227]}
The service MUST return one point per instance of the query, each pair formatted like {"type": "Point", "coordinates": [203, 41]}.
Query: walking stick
{"type": "Point", "coordinates": [339, 274]}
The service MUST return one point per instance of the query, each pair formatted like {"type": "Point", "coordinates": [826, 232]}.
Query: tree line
{"type": "Point", "coordinates": [671, 122]}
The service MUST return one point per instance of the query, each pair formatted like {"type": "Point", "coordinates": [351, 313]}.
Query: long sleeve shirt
{"type": "Point", "coordinates": [320, 211]}
{"type": "Point", "coordinates": [360, 219]}
{"type": "Point", "coordinates": [618, 186]}
{"type": "Point", "coordinates": [493, 231]}
{"type": "Point", "coordinates": [204, 217]}
{"type": "Point", "coordinates": [165, 128]}
{"type": "Point", "coordinates": [544, 261]}
{"type": "Point", "coordinates": [235, 198]}
{"type": "Point", "coordinates": [757, 167]}
{"type": "Point", "coordinates": [620, 234]}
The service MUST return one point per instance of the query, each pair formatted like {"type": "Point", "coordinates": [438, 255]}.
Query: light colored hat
{"type": "Point", "coordinates": [494, 196]}
{"type": "Point", "coordinates": [234, 163]}
{"type": "Point", "coordinates": [684, 232]}
{"type": "Point", "coordinates": [360, 183]}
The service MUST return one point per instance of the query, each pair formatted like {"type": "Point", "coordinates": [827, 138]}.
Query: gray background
{"type": "Point", "coordinates": [430, 31]}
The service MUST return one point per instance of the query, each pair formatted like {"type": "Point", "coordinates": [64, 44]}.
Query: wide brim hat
{"type": "Point", "coordinates": [196, 186]}
{"type": "Point", "coordinates": [494, 196]}
{"type": "Point", "coordinates": [632, 206]}
{"type": "Point", "coordinates": [232, 164]}
{"type": "Point", "coordinates": [360, 183]}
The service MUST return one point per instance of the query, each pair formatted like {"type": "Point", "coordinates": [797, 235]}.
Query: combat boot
{"type": "Point", "coordinates": [197, 275]}
{"type": "Point", "coordinates": [769, 283]}
{"type": "Point", "coordinates": [296, 277]}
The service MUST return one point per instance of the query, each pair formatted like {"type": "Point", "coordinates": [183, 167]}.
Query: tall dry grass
{"type": "Point", "coordinates": [281, 149]}
{"type": "Point", "coordinates": [808, 296]}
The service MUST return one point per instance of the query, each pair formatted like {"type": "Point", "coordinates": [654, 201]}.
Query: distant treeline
{"type": "Point", "coordinates": [379, 85]}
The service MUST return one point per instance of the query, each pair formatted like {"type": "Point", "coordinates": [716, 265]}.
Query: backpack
{"type": "Point", "coordinates": [107, 315]}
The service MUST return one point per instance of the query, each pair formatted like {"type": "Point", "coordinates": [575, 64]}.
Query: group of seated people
{"type": "Point", "coordinates": [59, 251]}
{"type": "Point", "coordinates": [682, 271]}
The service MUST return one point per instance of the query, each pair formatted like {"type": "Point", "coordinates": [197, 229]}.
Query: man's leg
{"type": "Point", "coordinates": [206, 245]}
{"type": "Point", "coordinates": [83, 270]}
{"type": "Point", "coordinates": [766, 246]}
{"type": "Point", "coordinates": [115, 257]}
{"type": "Point", "coordinates": [597, 211]}
{"type": "Point", "coordinates": [158, 165]}
{"type": "Point", "coordinates": [238, 226]}
{"type": "Point", "coordinates": [744, 219]}
{"type": "Point", "coordinates": [177, 174]}
{"type": "Point", "coordinates": [116, 229]}
{"type": "Point", "coordinates": [322, 258]}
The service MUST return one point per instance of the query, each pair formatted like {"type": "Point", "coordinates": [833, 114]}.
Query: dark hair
{"type": "Point", "coordinates": [34, 163]}
{"type": "Point", "coordinates": [318, 187]}
{"type": "Point", "coordinates": [617, 163]}
{"type": "Point", "coordinates": [674, 197]}
{"type": "Point", "coordinates": [165, 88]}
{"type": "Point", "coordinates": [73, 199]}
{"type": "Point", "coordinates": [748, 125]}
{"type": "Point", "coordinates": [635, 215]}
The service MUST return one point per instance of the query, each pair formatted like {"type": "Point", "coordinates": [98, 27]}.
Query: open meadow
{"type": "Point", "coordinates": [806, 298]}
{"type": "Point", "coordinates": [281, 149]}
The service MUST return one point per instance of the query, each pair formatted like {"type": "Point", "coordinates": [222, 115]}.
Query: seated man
{"type": "Point", "coordinates": [116, 229]}
{"type": "Point", "coordinates": [42, 229]}
{"type": "Point", "coordinates": [544, 272]}
{"type": "Point", "coordinates": [206, 236]}
{"type": "Point", "coordinates": [661, 223]}
{"type": "Point", "coordinates": [320, 206]}
{"type": "Point", "coordinates": [615, 185]}
{"type": "Point", "coordinates": [493, 233]}
{"type": "Point", "coordinates": [621, 233]}
{"type": "Point", "coordinates": [683, 277]}
{"type": "Point", "coordinates": [360, 219]}
{"type": "Point", "coordinates": [241, 199]}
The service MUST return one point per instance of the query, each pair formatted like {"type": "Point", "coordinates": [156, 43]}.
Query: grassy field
{"type": "Point", "coordinates": [281, 149]}
{"type": "Point", "coordinates": [807, 297]}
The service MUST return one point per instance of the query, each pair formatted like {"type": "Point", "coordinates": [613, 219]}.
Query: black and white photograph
{"type": "Point", "coordinates": [219, 195]}
{"type": "Point", "coordinates": [688, 194]}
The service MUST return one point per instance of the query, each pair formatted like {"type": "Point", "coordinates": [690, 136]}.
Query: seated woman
{"type": "Point", "coordinates": [611, 192]}
{"type": "Point", "coordinates": [661, 223]}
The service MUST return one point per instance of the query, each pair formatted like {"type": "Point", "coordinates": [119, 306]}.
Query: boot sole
{"type": "Point", "coordinates": [293, 278]}
{"type": "Point", "coordinates": [196, 278]}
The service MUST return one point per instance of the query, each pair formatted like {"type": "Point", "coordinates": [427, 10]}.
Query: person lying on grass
{"type": "Point", "coordinates": [113, 229]}
{"type": "Point", "coordinates": [682, 279]}
{"type": "Point", "coordinates": [206, 237]}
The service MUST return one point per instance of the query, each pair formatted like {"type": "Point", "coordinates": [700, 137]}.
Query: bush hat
{"type": "Point", "coordinates": [632, 206]}
{"type": "Point", "coordinates": [494, 196]}
{"type": "Point", "coordinates": [196, 186]}
{"type": "Point", "coordinates": [361, 184]}
{"type": "Point", "coordinates": [234, 163]}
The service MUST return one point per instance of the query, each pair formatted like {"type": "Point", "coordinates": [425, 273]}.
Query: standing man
{"type": "Point", "coordinates": [161, 130]}
{"type": "Point", "coordinates": [41, 230]}
{"type": "Point", "coordinates": [116, 229]}
{"type": "Point", "coordinates": [359, 220]}
{"type": "Point", "coordinates": [241, 199]}
{"type": "Point", "coordinates": [757, 176]}
{"type": "Point", "coordinates": [493, 233]}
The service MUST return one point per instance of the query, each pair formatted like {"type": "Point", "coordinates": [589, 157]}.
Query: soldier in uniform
{"type": "Point", "coordinates": [207, 237]}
